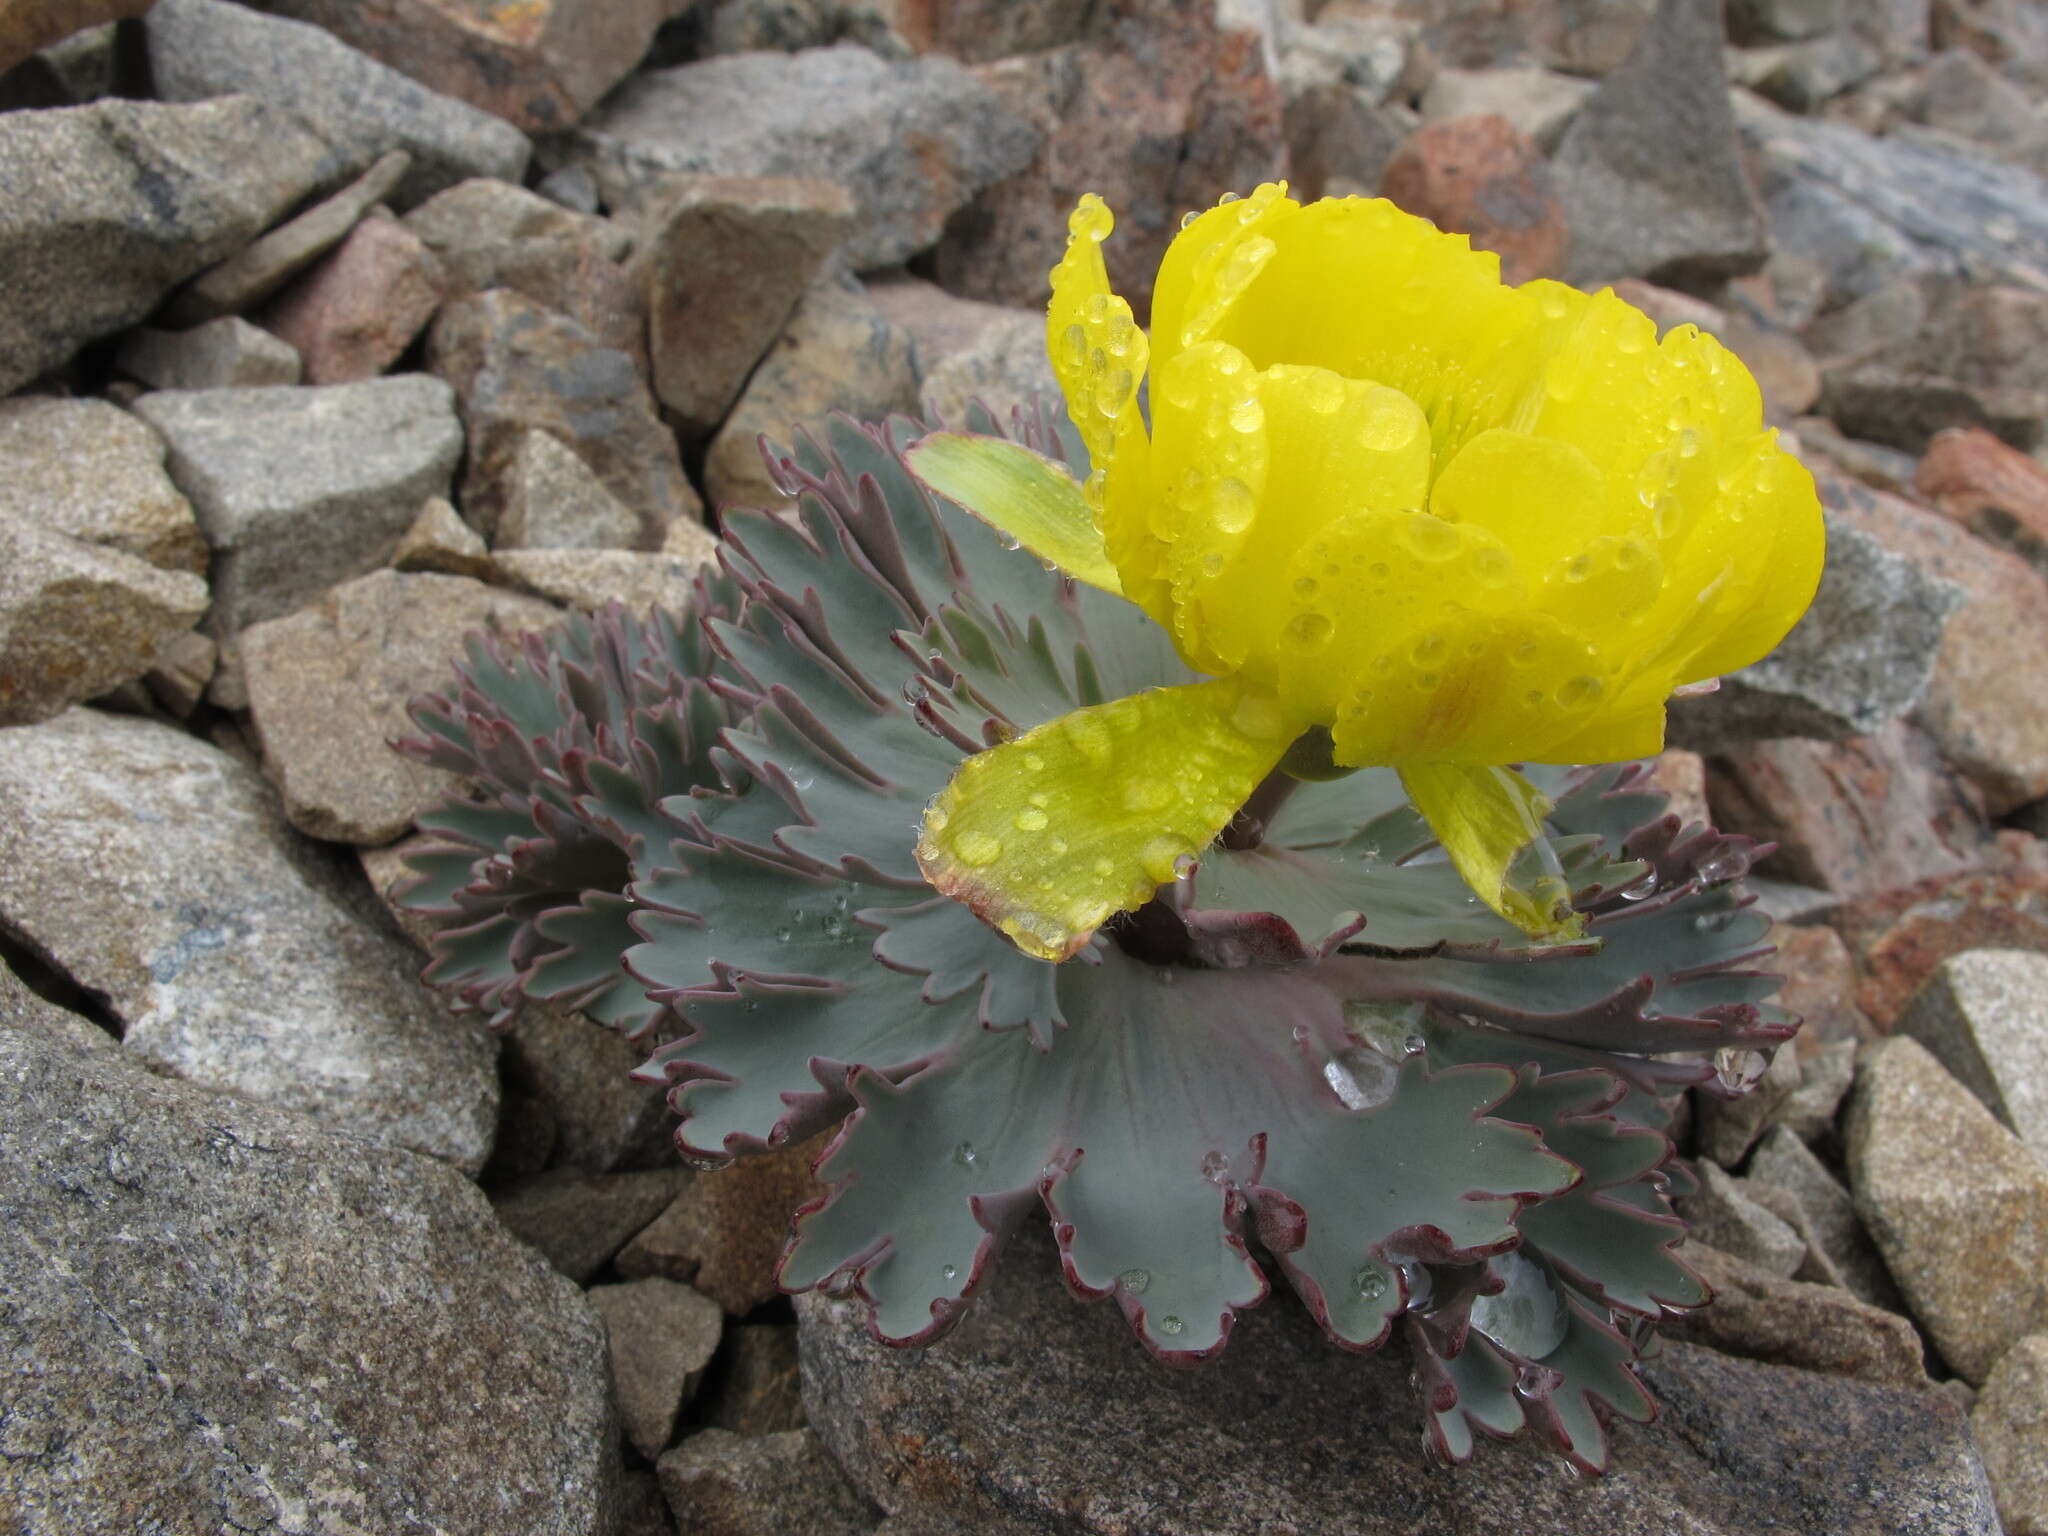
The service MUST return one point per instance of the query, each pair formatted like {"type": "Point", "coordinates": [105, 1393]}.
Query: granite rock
{"type": "Point", "coordinates": [2011, 1424]}
{"type": "Point", "coordinates": [1957, 1204]}
{"type": "Point", "coordinates": [1482, 177]}
{"type": "Point", "coordinates": [755, 1388]}
{"type": "Point", "coordinates": [1728, 1128]}
{"type": "Point", "coordinates": [1764, 1316]}
{"type": "Point", "coordinates": [355, 313]}
{"type": "Point", "coordinates": [90, 471]}
{"type": "Point", "coordinates": [782, 1484]}
{"type": "Point", "coordinates": [228, 353]}
{"type": "Point", "coordinates": [110, 206]}
{"type": "Point", "coordinates": [579, 1220]}
{"type": "Point", "coordinates": [581, 1072]}
{"type": "Point", "coordinates": [27, 27]}
{"type": "Point", "coordinates": [1784, 1162]}
{"type": "Point", "coordinates": [912, 140]}
{"type": "Point", "coordinates": [724, 1233]}
{"type": "Point", "coordinates": [1539, 102]}
{"type": "Point", "coordinates": [297, 489]}
{"type": "Point", "coordinates": [328, 687]}
{"type": "Point", "coordinates": [164, 879]}
{"type": "Point", "coordinates": [1722, 1215]}
{"type": "Point", "coordinates": [662, 1335]}
{"type": "Point", "coordinates": [1982, 1015]}
{"type": "Point", "coordinates": [441, 542]}
{"type": "Point", "coordinates": [204, 48]}
{"type": "Point", "coordinates": [1820, 986]}
{"type": "Point", "coordinates": [222, 1316]}
{"type": "Point", "coordinates": [1898, 939]}
{"type": "Point", "coordinates": [1991, 488]}
{"type": "Point", "coordinates": [965, 349]}
{"type": "Point", "coordinates": [553, 500]}
{"type": "Point", "coordinates": [590, 578]}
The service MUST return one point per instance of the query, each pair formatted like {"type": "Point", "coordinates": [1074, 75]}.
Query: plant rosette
{"type": "Point", "coordinates": [1142, 816]}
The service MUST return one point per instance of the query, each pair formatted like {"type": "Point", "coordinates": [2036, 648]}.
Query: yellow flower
{"type": "Point", "coordinates": [1456, 525]}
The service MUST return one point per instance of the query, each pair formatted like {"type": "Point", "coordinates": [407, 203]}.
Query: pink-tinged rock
{"type": "Point", "coordinates": [1820, 987]}
{"type": "Point", "coordinates": [1992, 489]}
{"type": "Point", "coordinates": [539, 64]}
{"type": "Point", "coordinates": [354, 315]}
{"type": "Point", "coordinates": [1681, 777]}
{"type": "Point", "coordinates": [1481, 176]}
{"type": "Point", "coordinates": [1161, 116]}
{"type": "Point", "coordinates": [1854, 817]}
{"type": "Point", "coordinates": [1990, 661]}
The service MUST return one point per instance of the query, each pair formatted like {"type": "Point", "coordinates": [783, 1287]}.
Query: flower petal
{"type": "Point", "coordinates": [1047, 836]}
{"type": "Point", "coordinates": [1486, 819]}
{"type": "Point", "coordinates": [1022, 495]}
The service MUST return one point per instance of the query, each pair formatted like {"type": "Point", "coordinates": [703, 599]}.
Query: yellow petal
{"type": "Point", "coordinates": [1022, 495]}
{"type": "Point", "coordinates": [1486, 818]}
{"type": "Point", "coordinates": [1046, 837]}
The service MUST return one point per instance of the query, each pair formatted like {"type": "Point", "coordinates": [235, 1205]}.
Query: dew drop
{"type": "Point", "coordinates": [1172, 1326]}
{"type": "Point", "coordinates": [1160, 858]}
{"type": "Point", "coordinates": [1641, 888]}
{"type": "Point", "coordinates": [1414, 1045]}
{"type": "Point", "coordinates": [949, 1271]}
{"type": "Point", "coordinates": [1034, 762]}
{"type": "Point", "coordinates": [1257, 717]}
{"type": "Point", "coordinates": [1032, 820]}
{"type": "Point", "coordinates": [1215, 1167]}
{"type": "Point", "coordinates": [1714, 922]}
{"type": "Point", "coordinates": [1324, 392]}
{"type": "Point", "coordinates": [1370, 1282]}
{"type": "Point", "coordinates": [1231, 506]}
{"type": "Point", "coordinates": [1740, 1069]}
{"type": "Point", "coordinates": [1247, 415]}
{"type": "Point", "coordinates": [1419, 1283]}
{"type": "Point", "coordinates": [977, 849]}
{"type": "Point", "coordinates": [1429, 650]}
{"type": "Point", "coordinates": [1187, 220]}
{"type": "Point", "coordinates": [965, 1154]}
{"type": "Point", "coordinates": [1727, 864]}
{"type": "Point", "coordinates": [1135, 1280]}
{"type": "Point", "coordinates": [1429, 537]}
{"type": "Point", "coordinates": [1146, 795]}
{"type": "Point", "coordinates": [1074, 341]}
{"type": "Point", "coordinates": [1579, 692]}
{"type": "Point", "coordinates": [784, 935]}
{"type": "Point", "coordinates": [1305, 586]}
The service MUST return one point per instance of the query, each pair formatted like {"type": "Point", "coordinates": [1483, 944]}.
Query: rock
{"type": "Point", "coordinates": [1957, 1204]}
{"type": "Point", "coordinates": [579, 1220]}
{"type": "Point", "coordinates": [228, 353]}
{"type": "Point", "coordinates": [755, 1388]}
{"type": "Point", "coordinates": [1784, 1162]}
{"type": "Point", "coordinates": [964, 349]}
{"type": "Point", "coordinates": [205, 48]}
{"type": "Point", "coordinates": [982, 30]}
{"type": "Point", "coordinates": [912, 140]}
{"type": "Point", "coordinates": [1977, 672]}
{"type": "Point", "coordinates": [1648, 171]}
{"type": "Point", "coordinates": [1805, 76]}
{"type": "Point", "coordinates": [1540, 103]}
{"type": "Point", "coordinates": [516, 366]}
{"type": "Point", "coordinates": [27, 27]}
{"type": "Point", "coordinates": [92, 472]}
{"type": "Point", "coordinates": [1823, 449]}
{"type": "Point", "coordinates": [488, 234]}
{"type": "Point", "coordinates": [164, 879]}
{"type": "Point", "coordinates": [1853, 817]}
{"type": "Point", "coordinates": [25, 1010]}
{"type": "Point", "coordinates": [297, 489]}
{"type": "Point", "coordinates": [222, 1316]}
{"type": "Point", "coordinates": [1819, 986]}
{"type": "Point", "coordinates": [1751, 22]}
{"type": "Point", "coordinates": [772, 1485]}
{"type": "Point", "coordinates": [257, 271]}
{"type": "Point", "coordinates": [1994, 490]}
{"type": "Point", "coordinates": [1763, 1316]}
{"type": "Point", "coordinates": [553, 500]}
{"type": "Point", "coordinates": [590, 578]}
{"type": "Point", "coordinates": [1161, 116]}
{"type": "Point", "coordinates": [1809, 1110]}
{"type": "Point", "coordinates": [1681, 777]}
{"type": "Point", "coordinates": [440, 541]}
{"type": "Point", "coordinates": [77, 621]}
{"type": "Point", "coordinates": [662, 1335]}
{"type": "Point", "coordinates": [1900, 937]}
{"type": "Point", "coordinates": [723, 262]}
{"type": "Point", "coordinates": [1907, 409]}
{"type": "Point", "coordinates": [183, 667]}
{"type": "Point", "coordinates": [1981, 1015]}
{"type": "Point", "coordinates": [1579, 38]}
{"type": "Point", "coordinates": [726, 1230]}
{"type": "Point", "coordinates": [642, 1509]}
{"type": "Point", "coordinates": [1723, 1216]}
{"type": "Point", "coordinates": [2011, 35]}
{"type": "Point", "coordinates": [1729, 1127]}
{"type": "Point", "coordinates": [1338, 141]}
{"type": "Point", "coordinates": [1006, 1431]}
{"type": "Point", "coordinates": [1480, 176]}
{"type": "Point", "coordinates": [2012, 1434]}
{"type": "Point", "coordinates": [540, 65]}
{"type": "Point", "coordinates": [581, 1073]}
{"type": "Point", "coordinates": [355, 313]}
{"type": "Point", "coordinates": [837, 353]}
{"type": "Point", "coordinates": [1863, 654]}
{"type": "Point", "coordinates": [328, 687]}
{"type": "Point", "coordinates": [1958, 93]}
{"type": "Point", "coordinates": [111, 206]}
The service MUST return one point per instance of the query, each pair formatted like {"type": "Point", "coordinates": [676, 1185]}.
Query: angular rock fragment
{"type": "Point", "coordinates": [1984, 1015]}
{"type": "Point", "coordinates": [755, 1388]}
{"type": "Point", "coordinates": [663, 1335]}
{"type": "Point", "coordinates": [91, 471]}
{"type": "Point", "coordinates": [582, 1073]}
{"type": "Point", "coordinates": [1723, 1216]}
{"type": "Point", "coordinates": [590, 578]}
{"type": "Point", "coordinates": [1764, 1316]}
{"type": "Point", "coordinates": [768, 1485]}
{"type": "Point", "coordinates": [1480, 176]}
{"type": "Point", "coordinates": [724, 1233]}
{"type": "Point", "coordinates": [1991, 488]}
{"type": "Point", "coordinates": [2012, 1433]}
{"type": "Point", "coordinates": [440, 541]}
{"type": "Point", "coordinates": [579, 1220]}
{"type": "Point", "coordinates": [553, 500]}
{"type": "Point", "coordinates": [1785, 1162]}
{"type": "Point", "coordinates": [228, 353]}
{"type": "Point", "coordinates": [353, 315]}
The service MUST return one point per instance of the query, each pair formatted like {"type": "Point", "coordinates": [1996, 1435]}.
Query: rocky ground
{"type": "Point", "coordinates": [330, 333]}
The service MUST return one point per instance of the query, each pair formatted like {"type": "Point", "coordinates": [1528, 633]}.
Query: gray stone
{"type": "Point", "coordinates": [1723, 1216]}
{"type": "Point", "coordinates": [1957, 1204]}
{"type": "Point", "coordinates": [258, 270]}
{"type": "Point", "coordinates": [1032, 1418]}
{"type": "Point", "coordinates": [725, 1231]}
{"type": "Point", "coordinates": [328, 687]}
{"type": "Point", "coordinates": [964, 349]}
{"type": "Point", "coordinates": [1905, 408]}
{"type": "Point", "coordinates": [77, 621]}
{"type": "Point", "coordinates": [911, 140]}
{"type": "Point", "coordinates": [581, 1072]}
{"type": "Point", "coordinates": [1809, 1111]}
{"type": "Point", "coordinates": [28, 1011]}
{"type": "Point", "coordinates": [1862, 655]}
{"type": "Point", "coordinates": [297, 489]}
{"type": "Point", "coordinates": [163, 878]}
{"type": "Point", "coordinates": [1649, 171]}
{"type": "Point", "coordinates": [839, 352]}
{"type": "Point", "coordinates": [663, 1335]}
{"type": "Point", "coordinates": [1729, 1127]}
{"type": "Point", "coordinates": [756, 1389]}
{"type": "Point", "coordinates": [104, 209]}
{"type": "Point", "coordinates": [225, 1317]}
{"type": "Point", "coordinates": [579, 1220]}
{"type": "Point", "coordinates": [204, 48]}
{"type": "Point", "coordinates": [440, 541]}
{"type": "Point", "coordinates": [1539, 102]}
{"type": "Point", "coordinates": [1958, 93]}
{"type": "Point", "coordinates": [1805, 76]}
{"type": "Point", "coordinates": [228, 353]}
{"type": "Point", "coordinates": [1784, 1162]}
{"type": "Point", "coordinates": [553, 500]}
{"type": "Point", "coordinates": [1781, 21]}
{"type": "Point", "coordinates": [1763, 1316]}
{"type": "Point", "coordinates": [1816, 1267]}
{"type": "Point", "coordinates": [590, 578]}
{"type": "Point", "coordinates": [361, 307]}
{"type": "Point", "coordinates": [1984, 1015]}
{"type": "Point", "coordinates": [90, 471]}
{"type": "Point", "coordinates": [721, 1484]}
{"type": "Point", "coordinates": [2011, 1424]}
{"type": "Point", "coordinates": [184, 666]}
{"type": "Point", "coordinates": [515, 367]}
{"type": "Point", "coordinates": [723, 262]}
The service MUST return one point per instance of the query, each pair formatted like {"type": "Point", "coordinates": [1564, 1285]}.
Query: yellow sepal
{"type": "Point", "coordinates": [1485, 818]}
{"type": "Point", "coordinates": [1024, 496]}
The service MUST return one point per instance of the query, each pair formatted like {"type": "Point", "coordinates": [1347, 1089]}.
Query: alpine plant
{"type": "Point", "coordinates": [1170, 815]}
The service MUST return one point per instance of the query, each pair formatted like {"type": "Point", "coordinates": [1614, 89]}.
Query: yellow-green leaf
{"type": "Point", "coordinates": [1046, 837]}
{"type": "Point", "coordinates": [1021, 495]}
{"type": "Point", "coordinates": [1485, 817]}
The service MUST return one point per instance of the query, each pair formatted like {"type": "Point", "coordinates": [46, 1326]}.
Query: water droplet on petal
{"type": "Point", "coordinates": [1232, 506]}
{"type": "Point", "coordinates": [1031, 821]}
{"type": "Point", "coordinates": [977, 849]}
{"type": "Point", "coordinates": [1309, 631]}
